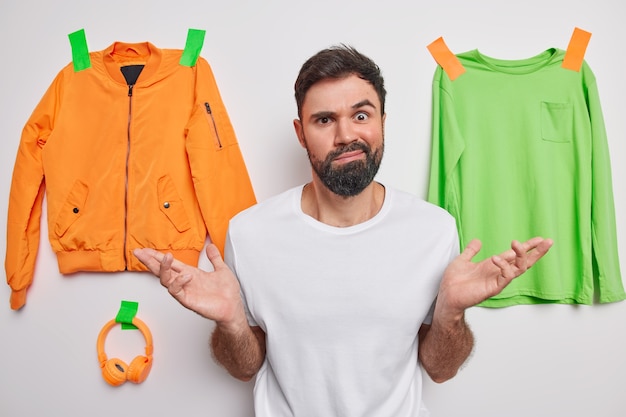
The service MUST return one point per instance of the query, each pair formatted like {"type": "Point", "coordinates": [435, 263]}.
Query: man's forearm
{"type": "Point", "coordinates": [241, 352]}
{"type": "Point", "coordinates": [445, 347]}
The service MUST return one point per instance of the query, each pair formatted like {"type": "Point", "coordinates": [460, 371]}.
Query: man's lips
{"type": "Point", "coordinates": [349, 156]}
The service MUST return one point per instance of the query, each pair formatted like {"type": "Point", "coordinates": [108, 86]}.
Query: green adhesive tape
{"type": "Point", "coordinates": [126, 314]}
{"type": "Point", "coordinates": [193, 46]}
{"type": "Point", "coordinates": [80, 52]}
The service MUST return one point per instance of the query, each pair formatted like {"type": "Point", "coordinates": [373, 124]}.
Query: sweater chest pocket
{"type": "Point", "coordinates": [171, 204]}
{"type": "Point", "coordinates": [557, 121]}
{"type": "Point", "coordinates": [72, 208]}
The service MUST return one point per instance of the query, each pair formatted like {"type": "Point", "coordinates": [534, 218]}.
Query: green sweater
{"type": "Point", "coordinates": [519, 149]}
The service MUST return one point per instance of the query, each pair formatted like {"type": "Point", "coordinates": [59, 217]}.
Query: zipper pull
{"type": "Point", "coordinates": [207, 107]}
{"type": "Point", "coordinates": [130, 90]}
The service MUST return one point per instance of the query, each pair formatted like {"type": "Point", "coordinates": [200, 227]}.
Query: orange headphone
{"type": "Point", "coordinates": [115, 371]}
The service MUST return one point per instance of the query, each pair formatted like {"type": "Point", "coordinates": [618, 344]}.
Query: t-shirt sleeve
{"type": "Point", "coordinates": [230, 260]}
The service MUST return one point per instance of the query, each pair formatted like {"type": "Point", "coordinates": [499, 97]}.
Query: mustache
{"type": "Point", "coordinates": [354, 146]}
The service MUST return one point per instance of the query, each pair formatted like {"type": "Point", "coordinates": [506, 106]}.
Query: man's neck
{"type": "Point", "coordinates": [335, 210]}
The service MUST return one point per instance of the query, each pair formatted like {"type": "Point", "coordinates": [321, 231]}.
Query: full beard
{"type": "Point", "coordinates": [350, 179]}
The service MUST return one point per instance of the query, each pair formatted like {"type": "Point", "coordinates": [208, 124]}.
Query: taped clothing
{"type": "Point", "coordinates": [519, 149]}
{"type": "Point", "coordinates": [136, 151]}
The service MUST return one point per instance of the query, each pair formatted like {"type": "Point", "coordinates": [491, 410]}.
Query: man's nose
{"type": "Point", "coordinates": [346, 132]}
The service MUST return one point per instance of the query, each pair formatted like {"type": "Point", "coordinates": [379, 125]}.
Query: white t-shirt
{"type": "Point", "coordinates": [341, 307]}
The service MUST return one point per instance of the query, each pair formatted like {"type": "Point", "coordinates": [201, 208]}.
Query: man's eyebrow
{"type": "Point", "coordinates": [322, 114]}
{"type": "Point", "coordinates": [363, 103]}
{"type": "Point", "coordinates": [330, 114]}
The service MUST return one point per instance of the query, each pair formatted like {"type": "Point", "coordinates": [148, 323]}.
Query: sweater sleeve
{"type": "Point", "coordinates": [220, 177]}
{"type": "Point", "coordinates": [447, 146]}
{"type": "Point", "coordinates": [26, 196]}
{"type": "Point", "coordinates": [603, 225]}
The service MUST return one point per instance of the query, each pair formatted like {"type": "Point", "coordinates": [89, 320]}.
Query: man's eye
{"type": "Point", "coordinates": [361, 116]}
{"type": "Point", "coordinates": [323, 120]}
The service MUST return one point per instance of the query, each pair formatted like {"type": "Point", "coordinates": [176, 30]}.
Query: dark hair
{"type": "Point", "coordinates": [338, 62]}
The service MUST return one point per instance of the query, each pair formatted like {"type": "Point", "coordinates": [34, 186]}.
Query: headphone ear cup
{"type": "Point", "coordinates": [139, 369]}
{"type": "Point", "coordinates": [114, 371]}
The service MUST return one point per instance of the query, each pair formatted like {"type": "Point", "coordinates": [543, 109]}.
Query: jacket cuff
{"type": "Point", "coordinates": [18, 299]}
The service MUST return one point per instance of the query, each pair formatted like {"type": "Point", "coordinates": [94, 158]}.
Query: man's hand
{"type": "Point", "coordinates": [466, 283]}
{"type": "Point", "coordinates": [448, 342]}
{"type": "Point", "coordinates": [214, 295]}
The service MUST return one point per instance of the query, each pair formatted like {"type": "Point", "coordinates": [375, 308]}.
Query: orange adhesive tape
{"type": "Point", "coordinates": [575, 53]}
{"type": "Point", "coordinates": [444, 57]}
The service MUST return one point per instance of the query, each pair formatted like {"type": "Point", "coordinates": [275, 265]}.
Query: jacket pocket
{"type": "Point", "coordinates": [72, 208]}
{"type": "Point", "coordinates": [171, 204]}
{"type": "Point", "coordinates": [557, 120]}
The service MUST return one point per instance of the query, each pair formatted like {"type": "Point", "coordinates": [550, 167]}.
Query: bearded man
{"type": "Point", "coordinates": [336, 294]}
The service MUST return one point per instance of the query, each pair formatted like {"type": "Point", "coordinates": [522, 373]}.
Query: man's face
{"type": "Point", "coordinates": [342, 130]}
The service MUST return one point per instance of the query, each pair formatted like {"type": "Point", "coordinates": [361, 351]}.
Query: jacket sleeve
{"type": "Point", "coordinates": [603, 225]}
{"type": "Point", "coordinates": [220, 177]}
{"type": "Point", "coordinates": [26, 196]}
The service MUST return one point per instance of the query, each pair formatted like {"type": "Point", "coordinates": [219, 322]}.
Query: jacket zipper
{"type": "Point", "coordinates": [130, 113]}
{"type": "Point", "coordinates": [211, 120]}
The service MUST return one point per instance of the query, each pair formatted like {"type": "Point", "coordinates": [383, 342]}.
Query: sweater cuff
{"type": "Point", "coordinates": [18, 299]}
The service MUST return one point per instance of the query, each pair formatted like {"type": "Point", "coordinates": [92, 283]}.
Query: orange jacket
{"type": "Point", "coordinates": [156, 164]}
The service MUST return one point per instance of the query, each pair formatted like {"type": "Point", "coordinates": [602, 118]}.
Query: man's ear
{"type": "Point", "coordinates": [297, 125]}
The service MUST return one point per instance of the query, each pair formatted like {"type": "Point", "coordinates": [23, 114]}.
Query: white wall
{"type": "Point", "coordinates": [529, 360]}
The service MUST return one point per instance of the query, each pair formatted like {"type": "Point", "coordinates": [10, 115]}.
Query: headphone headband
{"type": "Point", "coordinates": [145, 331]}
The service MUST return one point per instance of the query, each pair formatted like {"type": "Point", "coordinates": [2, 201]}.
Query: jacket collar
{"type": "Point", "coordinates": [121, 54]}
